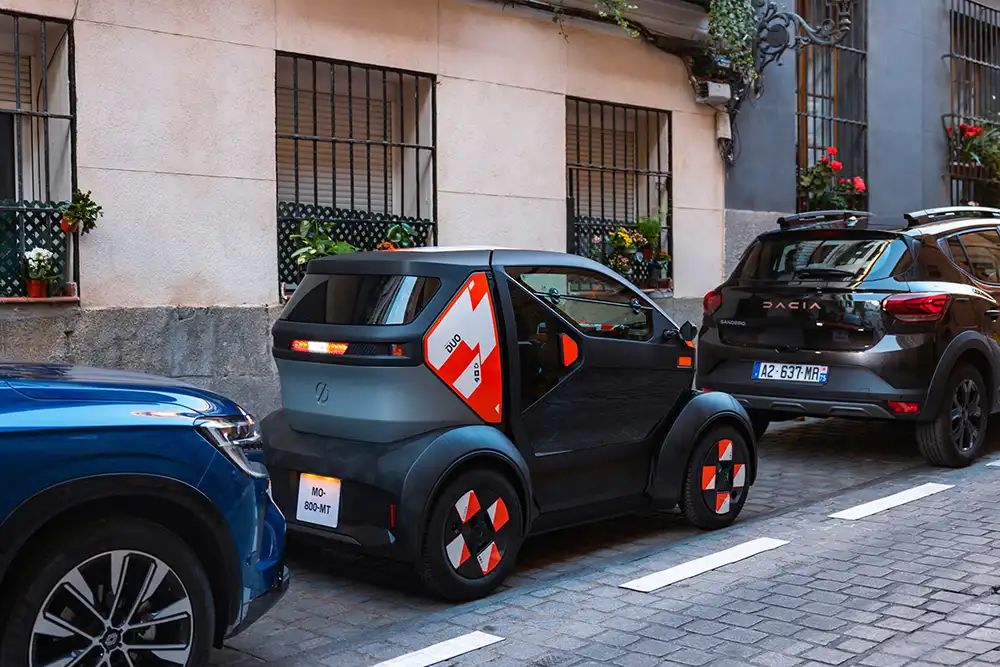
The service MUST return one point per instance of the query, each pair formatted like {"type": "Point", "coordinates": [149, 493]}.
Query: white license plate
{"type": "Point", "coordinates": [810, 373]}
{"type": "Point", "coordinates": [319, 500]}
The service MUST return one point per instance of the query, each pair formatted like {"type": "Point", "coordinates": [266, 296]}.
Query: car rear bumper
{"type": "Point", "coordinates": [859, 385]}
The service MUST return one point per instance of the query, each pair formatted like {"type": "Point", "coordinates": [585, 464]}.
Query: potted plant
{"type": "Point", "coordinates": [81, 213]}
{"type": "Point", "coordinates": [662, 265]}
{"type": "Point", "coordinates": [819, 183]}
{"type": "Point", "coordinates": [624, 245]}
{"type": "Point", "coordinates": [385, 246]}
{"type": "Point", "coordinates": [315, 239]}
{"type": "Point", "coordinates": [649, 227]}
{"type": "Point", "coordinates": [40, 267]}
{"type": "Point", "coordinates": [400, 235]}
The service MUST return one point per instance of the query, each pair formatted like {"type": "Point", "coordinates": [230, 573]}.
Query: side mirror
{"type": "Point", "coordinates": [688, 332]}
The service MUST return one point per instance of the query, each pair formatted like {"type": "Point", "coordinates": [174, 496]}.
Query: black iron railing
{"type": "Point", "coordinates": [354, 144]}
{"type": "Point", "coordinates": [25, 226]}
{"type": "Point", "coordinates": [832, 94]}
{"type": "Point", "coordinates": [618, 174]}
{"type": "Point", "coordinates": [974, 103]}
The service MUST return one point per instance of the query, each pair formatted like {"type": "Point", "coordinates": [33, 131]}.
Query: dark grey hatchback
{"type": "Point", "coordinates": [825, 317]}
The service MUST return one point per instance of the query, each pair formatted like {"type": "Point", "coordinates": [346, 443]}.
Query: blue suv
{"type": "Point", "coordinates": [136, 520]}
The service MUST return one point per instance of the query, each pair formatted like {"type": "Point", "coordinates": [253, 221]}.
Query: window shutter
{"type": "Point", "coordinates": [618, 188]}
{"type": "Point", "coordinates": [377, 173]}
{"type": "Point", "coordinates": [8, 93]}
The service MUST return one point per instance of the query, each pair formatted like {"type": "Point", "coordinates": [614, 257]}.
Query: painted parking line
{"type": "Point", "coordinates": [701, 565]}
{"type": "Point", "coordinates": [444, 651]}
{"type": "Point", "coordinates": [993, 464]}
{"type": "Point", "coordinates": [896, 499]}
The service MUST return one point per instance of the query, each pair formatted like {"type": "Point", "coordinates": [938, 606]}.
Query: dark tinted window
{"type": "Point", "coordinates": [601, 306]}
{"type": "Point", "coordinates": [364, 300]}
{"type": "Point", "coordinates": [824, 256]}
{"type": "Point", "coordinates": [958, 253]}
{"type": "Point", "coordinates": [983, 250]}
{"type": "Point", "coordinates": [537, 346]}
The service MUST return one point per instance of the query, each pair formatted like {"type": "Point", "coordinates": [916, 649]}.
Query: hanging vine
{"type": "Point", "coordinates": [733, 34]}
{"type": "Point", "coordinates": [616, 9]}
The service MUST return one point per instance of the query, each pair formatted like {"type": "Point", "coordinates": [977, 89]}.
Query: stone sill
{"type": "Point", "coordinates": [656, 293]}
{"type": "Point", "coordinates": [52, 300]}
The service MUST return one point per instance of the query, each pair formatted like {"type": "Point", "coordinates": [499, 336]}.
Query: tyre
{"type": "Point", "coordinates": [106, 591]}
{"type": "Point", "coordinates": [760, 423]}
{"type": "Point", "coordinates": [715, 482]}
{"type": "Point", "coordinates": [956, 434]}
{"type": "Point", "coordinates": [472, 538]}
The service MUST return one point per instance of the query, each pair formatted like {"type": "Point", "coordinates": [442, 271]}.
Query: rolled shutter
{"type": "Point", "coordinates": [618, 188]}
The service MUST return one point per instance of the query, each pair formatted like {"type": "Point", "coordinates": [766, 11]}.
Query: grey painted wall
{"type": "Point", "coordinates": [907, 95]}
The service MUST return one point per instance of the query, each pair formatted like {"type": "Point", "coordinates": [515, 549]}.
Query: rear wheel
{"type": "Point", "coordinates": [473, 535]}
{"type": "Point", "coordinates": [715, 483]}
{"type": "Point", "coordinates": [955, 436]}
{"type": "Point", "coordinates": [115, 592]}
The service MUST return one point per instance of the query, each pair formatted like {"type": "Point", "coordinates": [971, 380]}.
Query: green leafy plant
{"type": "Point", "coordinates": [616, 9]}
{"type": "Point", "coordinates": [81, 212]}
{"type": "Point", "coordinates": [733, 34]}
{"type": "Point", "coordinates": [400, 235]}
{"type": "Point", "coordinates": [650, 228]}
{"type": "Point", "coordinates": [976, 144]}
{"type": "Point", "coordinates": [826, 188]}
{"type": "Point", "coordinates": [315, 239]}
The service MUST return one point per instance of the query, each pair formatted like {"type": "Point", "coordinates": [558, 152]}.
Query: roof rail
{"type": "Point", "coordinates": [836, 219]}
{"type": "Point", "coordinates": [949, 213]}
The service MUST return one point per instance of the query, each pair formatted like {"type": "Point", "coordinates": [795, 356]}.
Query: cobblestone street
{"type": "Point", "coordinates": [911, 585]}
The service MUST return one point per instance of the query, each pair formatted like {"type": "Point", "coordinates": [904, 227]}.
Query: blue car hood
{"type": "Point", "coordinates": [82, 384]}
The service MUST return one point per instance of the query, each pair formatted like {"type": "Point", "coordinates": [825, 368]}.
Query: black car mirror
{"type": "Point", "coordinates": [688, 332]}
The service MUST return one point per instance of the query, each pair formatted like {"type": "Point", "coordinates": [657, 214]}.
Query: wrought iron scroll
{"type": "Point", "coordinates": [782, 30]}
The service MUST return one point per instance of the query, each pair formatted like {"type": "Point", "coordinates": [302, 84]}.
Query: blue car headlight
{"type": "Point", "coordinates": [236, 437]}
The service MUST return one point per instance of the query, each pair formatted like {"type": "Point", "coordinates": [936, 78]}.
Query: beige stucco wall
{"type": "Point", "coordinates": [176, 131]}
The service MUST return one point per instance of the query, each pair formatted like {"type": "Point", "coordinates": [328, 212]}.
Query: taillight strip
{"type": "Point", "coordinates": [318, 347]}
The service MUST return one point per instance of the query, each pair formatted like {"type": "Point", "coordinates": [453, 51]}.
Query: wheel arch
{"type": "Point", "coordinates": [172, 504]}
{"type": "Point", "coordinates": [702, 412]}
{"type": "Point", "coordinates": [449, 456]}
{"type": "Point", "coordinates": [968, 347]}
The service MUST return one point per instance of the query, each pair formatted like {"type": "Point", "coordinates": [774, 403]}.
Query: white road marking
{"type": "Point", "coordinates": [698, 566]}
{"type": "Point", "coordinates": [444, 651]}
{"type": "Point", "coordinates": [896, 499]}
{"type": "Point", "coordinates": [994, 464]}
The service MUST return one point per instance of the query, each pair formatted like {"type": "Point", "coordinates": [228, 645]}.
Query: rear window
{"type": "Point", "coordinates": [360, 300]}
{"type": "Point", "coordinates": [804, 256]}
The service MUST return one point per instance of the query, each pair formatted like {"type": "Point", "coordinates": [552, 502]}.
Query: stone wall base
{"type": "Point", "coordinates": [224, 349]}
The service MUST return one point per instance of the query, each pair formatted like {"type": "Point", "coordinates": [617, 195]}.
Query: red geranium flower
{"type": "Point", "coordinates": [825, 160]}
{"type": "Point", "coordinates": [948, 131]}
{"type": "Point", "coordinates": [859, 184]}
{"type": "Point", "coordinates": [831, 151]}
{"type": "Point", "coordinates": [843, 180]}
{"type": "Point", "coordinates": [836, 165]}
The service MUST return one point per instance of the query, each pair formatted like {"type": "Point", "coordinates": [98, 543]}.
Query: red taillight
{"type": "Point", "coordinates": [392, 515]}
{"type": "Point", "coordinates": [712, 302]}
{"type": "Point", "coordinates": [317, 347]}
{"type": "Point", "coordinates": [920, 307]}
{"type": "Point", "coordinates": [904, 408]}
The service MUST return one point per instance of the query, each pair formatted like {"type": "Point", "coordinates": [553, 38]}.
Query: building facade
{"type": "Point", "coordinates": [885, 99]}
{"type": "Point", "coordinates": [208, 131]}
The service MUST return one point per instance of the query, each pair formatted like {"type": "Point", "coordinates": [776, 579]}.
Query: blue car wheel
{"type": "Point", "coordinates": [119, 591]}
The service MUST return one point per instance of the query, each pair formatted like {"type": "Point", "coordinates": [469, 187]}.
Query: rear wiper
{"type": "Point", "coordinates": [824, 271]}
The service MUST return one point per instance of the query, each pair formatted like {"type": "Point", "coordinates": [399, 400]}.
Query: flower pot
{"type": "Point", "coordinates": [647, 253]}
{"type": "Point", "coordinates": [68, 225]}
{"type": "Point", "coordinates": [69, 289]}
{"type": "Point", "coordinates": [38, 289]}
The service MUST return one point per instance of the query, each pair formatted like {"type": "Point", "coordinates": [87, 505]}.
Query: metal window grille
{"type": "Point", "coordinates": [37, 144]}
{"type": "Point", "coordinates": [831, 94]}
{"type": "Point", "coordinates": [355, 144]}
{"type": "Point", "coordinates": [618, 171]}
{"type": "Point", "coordinates": [974, 99]}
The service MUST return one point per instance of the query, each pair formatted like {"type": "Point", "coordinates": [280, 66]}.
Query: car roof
{"type": "Point", "coordinates": [948, 226]}
{"type": "Point", "coordinates": [445, 256]}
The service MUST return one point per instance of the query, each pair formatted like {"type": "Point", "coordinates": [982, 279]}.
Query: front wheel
{"type": "Point", "coordinates": [117, 591]}
{"type": "Point", "coordinates": [956, 434]}
{"type": "Point", "coordinates": [715, 483]}
{"type": "Point", "coordinates": [473, 535]}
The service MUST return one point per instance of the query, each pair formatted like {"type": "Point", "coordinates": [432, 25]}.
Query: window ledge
{"type": "Point", "coordinates": [659, 293]}
{"type": "Point", "coordinates": [52, 300]}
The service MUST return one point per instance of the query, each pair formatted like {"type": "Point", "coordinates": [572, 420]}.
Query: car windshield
{"type": "Point", "coordinates": [824, 256]}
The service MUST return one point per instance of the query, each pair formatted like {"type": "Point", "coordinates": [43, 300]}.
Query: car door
{"type": "Point", "coordinates": [594, 380]}
{"type": "Point", "coordinates": [977, 252]}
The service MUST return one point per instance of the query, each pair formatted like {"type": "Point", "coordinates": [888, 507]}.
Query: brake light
{"type": "Point", "coordinates": [712, 302]}
{"type": "Point", "coordinates": [318, 348]}
{"type": "Point", "coordinates": [904, 408]}
{"type": "Point", "coordinates": [919, 307]}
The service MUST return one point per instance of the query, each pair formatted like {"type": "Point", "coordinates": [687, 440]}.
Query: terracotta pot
{"type": "Point", "coordinates": [68, 225]}
{"type": "Point", "coordinates": [647, 253]}
{"type": "Point", "coordinates": [38, 289]}
{"type": "Point", "coordinates": [69, 289]}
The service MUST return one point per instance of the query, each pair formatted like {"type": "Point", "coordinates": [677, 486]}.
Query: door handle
{"type": "Point", "coordinates": [993, 314]}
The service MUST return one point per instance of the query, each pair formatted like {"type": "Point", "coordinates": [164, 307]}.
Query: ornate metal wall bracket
{"type": "Point", "coordinates": [782, 30]}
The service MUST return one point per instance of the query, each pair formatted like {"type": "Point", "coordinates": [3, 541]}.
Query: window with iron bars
{"type": "Point", "coordinates": [355, 145]}
{"type": "Point", "coordinates": [37, 145]}
{"type": "Point", "coordinates": [973, 120]}
{"type": "Point", "coordinates": [618, 174]}
{"type": "Point", "coordinates": [832, 97]}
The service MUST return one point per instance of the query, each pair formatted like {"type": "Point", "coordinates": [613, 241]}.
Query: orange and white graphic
{"type": "Point", "coordinates": [489, 558]}
{"type": "Point", "coordinates": [725, 450]}
{"type": "Point", "coordinates": [498, 514]}
{"type": "Point", "coordinates": [458, 552]}
{"type": "Point", "coordinates": [739, 475]}
{"type": "Point", "coordinates": [462, 348]}
{"type": "Point", "coordinates": [708, 478]}
{"type": "Point", "coordinates": [467, 506]}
